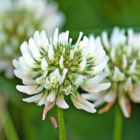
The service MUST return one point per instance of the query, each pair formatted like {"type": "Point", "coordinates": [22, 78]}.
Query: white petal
{"type": "Point", "coordinates": [34, 49]}
{"type": "Point", "coordinates": [60, 102]}
{"type": "Point", "coordinates": [128, 85]}
{"type": "Point", "coordinates": [66, 37]}
{"type": "Point", "coordinates": [92, 48]}
{"type": "Point", "coordinates": [90, 82]}
{"type": "Point", "coordinates": [91, 96]}
{"type": "Point", "coordinates": [55, 38]}
{"type": "Point", "coordinates": [43, 36]}
{"type": "Point", "coordinates": [71, 54]}
{"type": "Point", "coordinates": [100, 58]}
{"type": "Point", "coordinates": [55, 76]}
{"type": "Point", "coordinates": [29, 89]}
{"type": "Point", "coordinates": [43, 100]}
{"type": "Point", "coordinates": [46, 44]}
{"type": "Point", "coordinates": [97, 68]}
{"type": "Point", "coordinates": [68, 90]}
{"type": "Point", "coordinates": [37, 39]}
{"type": "Point", "coordinates": [85, 106]}
{"type": "Point", "coordinates": [16, 64]}
{"type": "Point", "coordinates": [82, 64]}
{"type": "Point", "coordinates": [34, 98]}
{"type": "Point", "coordinates": [61, 79]}
{"type": "Point", "coordinates": [79, 38]}
{"type": "Point", "coordinates": [44, 64]}
{"type": "Point", "coordinates": [124, 61]}
{"type": "Point", "coordinates": [27, 80]}
{"type": "Point", "coordinates": [51, 53]}
{"type": "Point", "coordinates": [135, 94]}
{"type": "Point", "coordinates": [107, 70]}
{"type": "Point", "coordinates": [51, 96]}
{"type": "Point", "coordinates": [25, 48]}
{"type": "Point", "coordinates": [29, 60]}
{"type": "Point", "coordinates": [123, 102]}
{"type": "Point", "coordinates": [79, 80]}
{"type": "Point", "coordinates": [118, 75]}
{"type": "Point", "coordinates": [105, 39]}
{"type": "Point", "coordinates": [61, 62]}
{"type": "Point", "coordinates": [24, 65]}
{"type": "Point", "coordinates": [41, 79]}
{"type": "Point", "coordinates": [44, 40]}
{"type": "Point", "coordinates": [98, 88]}
{"type": "Point", "coordinates": [109, 97]}
{"type": "Point", "coordinates": [132, 67]}
{"type": "Point", "coordinates": [62, 38]}
{"type": "Point", "coordinates": [112, 54]}
{"type": "Point", "coordinates": [36, 54]}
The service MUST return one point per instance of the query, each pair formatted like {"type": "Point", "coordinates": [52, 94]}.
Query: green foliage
{"type": "Point", "coordinates": [90, 16]}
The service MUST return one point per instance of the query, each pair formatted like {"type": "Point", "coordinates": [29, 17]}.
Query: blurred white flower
{"type": "Point", "coordinates": [123, 67]}
{"type": "Point", "coordinates": [53, 69]}
{"type": "Point", "coordinates": [19, 19]}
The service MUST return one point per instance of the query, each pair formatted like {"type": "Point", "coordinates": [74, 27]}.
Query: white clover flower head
{"type": "Point", "coordinates": [54, 68]}
{"type": "Point", "coordinates": [123, 49]}
{"type": "Point", "coordinates": [18, 21]}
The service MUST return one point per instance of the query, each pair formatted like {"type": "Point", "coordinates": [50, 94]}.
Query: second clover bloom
{"type": "Point", "coordinates": [19, 19]}
{"type": "Point", "coordinates": [123, 67]}
{"type": "Point", "coordinates": [52, 68]}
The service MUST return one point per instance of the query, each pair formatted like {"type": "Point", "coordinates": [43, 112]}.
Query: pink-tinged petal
{"type": "Point", "coordinates": [60, 102]}
{"type": "Point", "coordinates": [54, 122]}
{"type": "Point", "coordinates": [34, 98]}
{"type": "Point", "coordinates": [125, 106]}
{"type": "Point", "coordinates": [135, 94]}
{"type": "Point", "coordinates": [107, 107]}
{"type": "Point", "coordinates": [47, 108]}
{"type": "Point", "coordinates": [98, 88]}
{"type": "Point", "coordinates": [29, 89]}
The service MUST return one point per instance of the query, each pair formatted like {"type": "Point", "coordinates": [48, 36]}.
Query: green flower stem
{"type": "Point", "coordinates": [61, 125]}
{"type": "Point", "coordinates": [8, 126]}
{"type": "Point", "coordinates": [118, 124]}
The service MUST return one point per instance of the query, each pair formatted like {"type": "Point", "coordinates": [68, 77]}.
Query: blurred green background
{"type": "Point", "coordinates": [89, 16]}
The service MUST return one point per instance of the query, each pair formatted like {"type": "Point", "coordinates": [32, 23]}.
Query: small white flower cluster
{"type": "Point", "coordinates": [19, 19]}
{"type": "Point", "coordinates": [54, 68]}
{"type": "Point", "coordinates": [122, 69]}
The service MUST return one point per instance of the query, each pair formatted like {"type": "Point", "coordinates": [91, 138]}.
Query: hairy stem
{"type": "Point", "coordinates": [118, 124]}
{"type": "Point", "coordinates": [61, 125]}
